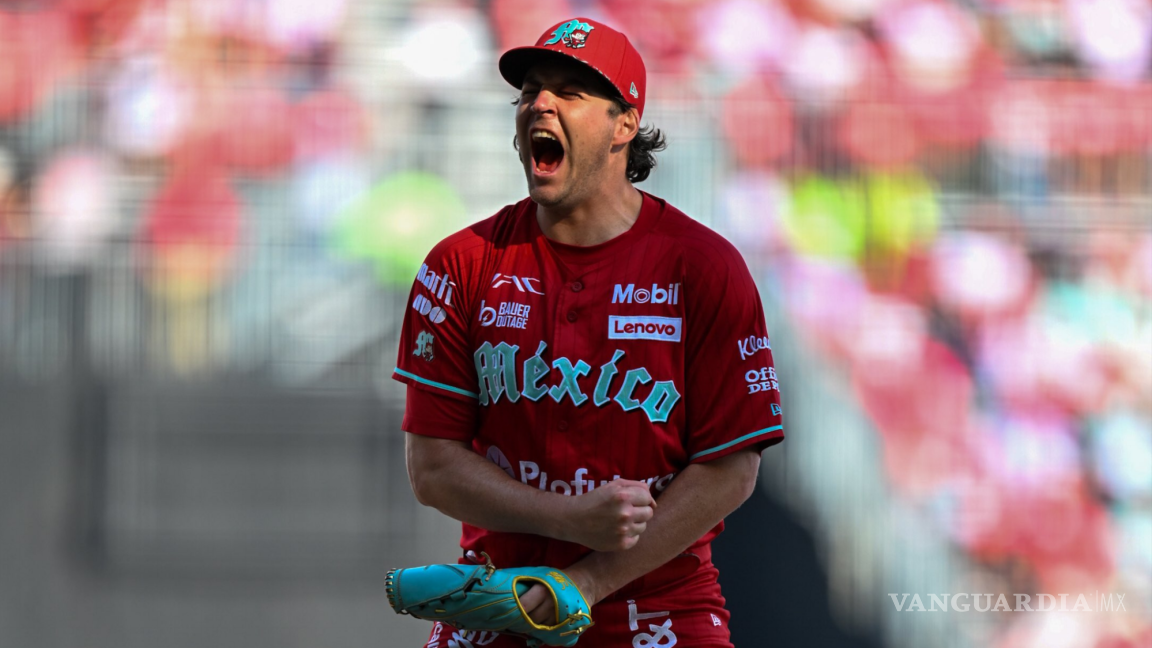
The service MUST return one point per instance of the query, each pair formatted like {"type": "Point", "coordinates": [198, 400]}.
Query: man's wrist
{"type": "Point", "coordinates": [586, 582]}
{"type": "Point", "coordinates": [556, 518]}
{"type": "Point", "coordinates": [597, 576]}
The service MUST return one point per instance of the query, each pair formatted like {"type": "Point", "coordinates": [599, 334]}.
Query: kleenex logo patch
{"type": "Point", "coordinates": [641, 327]}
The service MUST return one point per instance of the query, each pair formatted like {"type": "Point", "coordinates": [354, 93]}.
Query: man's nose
{"type": "Point", "coordinates": [545, 102]}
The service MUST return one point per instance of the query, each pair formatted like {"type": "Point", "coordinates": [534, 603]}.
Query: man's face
{"type": "Point", "coordinates": [564, 130]}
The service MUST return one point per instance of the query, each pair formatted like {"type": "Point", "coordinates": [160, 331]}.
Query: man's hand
{"type": "Point", "coordinates": [539, 606]}
{"type": "Point", "coordinates": [611, 517]}
{"type": "Point", "coordinates": [701, 496]}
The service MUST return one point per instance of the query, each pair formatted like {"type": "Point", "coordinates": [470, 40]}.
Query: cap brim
{"type": "Point", "coordinates": [515, 63]}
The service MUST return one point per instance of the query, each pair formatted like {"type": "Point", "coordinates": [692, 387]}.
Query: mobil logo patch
{"type": "Point", "coordinates": [645, 327]}
{"type": "Point", "coordinates": [657, 294]}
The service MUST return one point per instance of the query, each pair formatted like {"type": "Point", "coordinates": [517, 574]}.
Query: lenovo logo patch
{"type": "Point", "coordinates": [643, 327]}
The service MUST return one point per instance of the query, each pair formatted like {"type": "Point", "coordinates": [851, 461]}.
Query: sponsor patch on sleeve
{"type": "Point", "coordinates": [751, 344]}
{"type": "Point", "coordinates": [645, 327]}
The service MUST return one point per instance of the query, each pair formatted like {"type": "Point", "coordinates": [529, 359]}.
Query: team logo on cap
{"type": "Point", "coordinates": [572, 33]}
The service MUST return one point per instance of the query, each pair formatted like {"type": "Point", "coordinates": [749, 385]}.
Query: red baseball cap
{"type": "Point", "coordinates": [592, 43]}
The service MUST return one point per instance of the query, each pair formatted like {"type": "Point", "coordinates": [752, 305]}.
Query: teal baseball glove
{"type": "Point", "coordinates": [481, 597]}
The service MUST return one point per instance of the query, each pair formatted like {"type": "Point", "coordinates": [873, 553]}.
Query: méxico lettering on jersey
{"type": "Point", "coordinates": [496, 367]}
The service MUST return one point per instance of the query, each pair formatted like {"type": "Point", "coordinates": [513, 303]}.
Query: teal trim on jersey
{"type": "Point", "coordinates": [433, 383]}
{"type": "Point", "coordinates": [735, 441]}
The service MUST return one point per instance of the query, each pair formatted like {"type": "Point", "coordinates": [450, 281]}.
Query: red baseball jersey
{"type": "Point", "coordinates": [572, 366]}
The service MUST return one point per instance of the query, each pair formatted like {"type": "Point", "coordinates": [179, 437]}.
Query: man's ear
{"type": "Point", "coordinates": [627, 125]}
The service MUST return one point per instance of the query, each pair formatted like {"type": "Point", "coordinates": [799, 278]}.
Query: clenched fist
{"type": "Point", "coordinates": [611, 517]}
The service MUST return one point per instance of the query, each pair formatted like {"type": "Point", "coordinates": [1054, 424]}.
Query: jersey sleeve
{"type": "Point", "coordinates": [733, 391]}
{"type": "Point", "coordinates": [430, 414]}
{"type": "Point", "coordinates": [434, 355]}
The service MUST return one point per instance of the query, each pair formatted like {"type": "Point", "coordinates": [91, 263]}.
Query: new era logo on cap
{"type": "Point", "coordinates": [592, 43]}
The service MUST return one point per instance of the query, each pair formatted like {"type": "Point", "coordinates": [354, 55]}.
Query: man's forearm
{"type": "Point", "coordinates": [698, 499]}
{"type": "Point", "coordinates": [450, 477]}
{"type": "Point", "coordinates": [467, 487]}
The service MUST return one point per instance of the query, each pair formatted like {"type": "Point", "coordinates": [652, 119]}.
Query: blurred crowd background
{"type": "Point", "coordinates": [211, 212]}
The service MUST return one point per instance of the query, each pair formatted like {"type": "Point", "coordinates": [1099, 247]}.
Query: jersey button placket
{"type": "Point", "coordinates": [568, 303]}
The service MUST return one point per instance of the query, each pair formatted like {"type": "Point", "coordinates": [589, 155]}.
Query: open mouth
{"type": "Point", "coordinates": [547, 152]}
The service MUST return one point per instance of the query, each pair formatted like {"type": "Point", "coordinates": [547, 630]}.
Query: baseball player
{"type": "Point", "coordinates": [590, 382]}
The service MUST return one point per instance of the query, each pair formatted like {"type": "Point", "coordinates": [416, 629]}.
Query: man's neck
{"type": "Point", "coordinates": [593, 221]}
